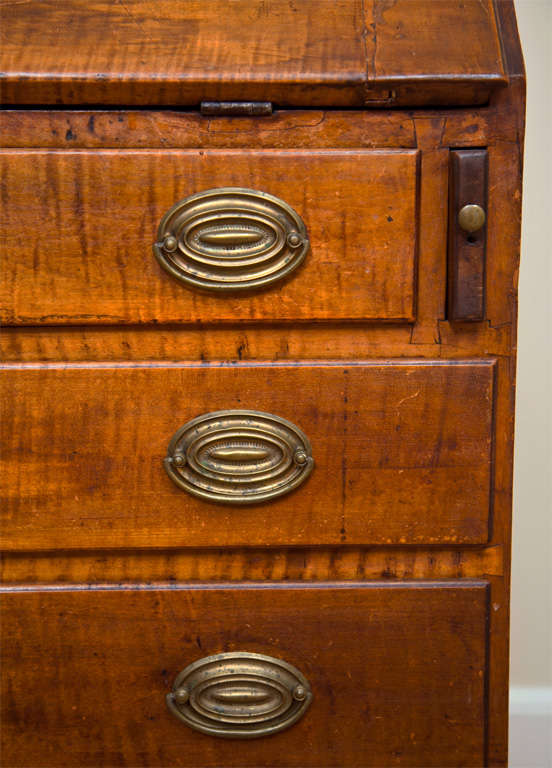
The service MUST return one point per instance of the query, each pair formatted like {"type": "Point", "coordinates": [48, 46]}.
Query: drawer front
{"type": "Point", "coordinates": [402, 454]}
{"type": "Point", "coordinates": [397, 673]}
{"type": "Point", "coordinates": [78, 229]}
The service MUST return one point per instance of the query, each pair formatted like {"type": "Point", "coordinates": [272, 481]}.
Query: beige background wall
{"type": "Point", "coordinates": [531, 613]}
{"type": "Point", "coordinates": [532, 574]}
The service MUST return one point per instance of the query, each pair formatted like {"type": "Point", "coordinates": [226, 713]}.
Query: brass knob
{"type": "Point", "coordinates": [181, 695]}
{"type": "Point", "coordinates": [179, 460]}
{"type": "Point", "coordinates": [170, 243]}
{"type": "Point", "coordinates": [471, 218]}
{"type": "Point", "coordinates": [300, 457]}
{"type": "Point", "coordinates": [294, 239]}
{"type": "Point", "coordinates": [300, 693]}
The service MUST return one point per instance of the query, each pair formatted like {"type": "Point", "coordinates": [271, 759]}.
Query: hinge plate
{"type": "Point", "coordinates": [249, 108]}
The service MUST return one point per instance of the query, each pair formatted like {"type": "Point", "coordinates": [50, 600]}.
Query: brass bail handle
{"type": "Point", "coordinates": [231, 240]}
{"type": "Point", "coordinates": [239, 457]}
{"type": "Point", "coordinates": [239, 695]}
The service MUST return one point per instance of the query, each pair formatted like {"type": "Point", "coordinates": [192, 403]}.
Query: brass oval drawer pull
{"type": "Point", "coordinates": [239, 457]}
{"type": "Point", "coordinates": [239, 695]}
{"type": "Point", "coordinates": [231, 240]}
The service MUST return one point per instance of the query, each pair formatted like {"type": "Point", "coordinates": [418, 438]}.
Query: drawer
{"type": "Point", "coordinates": [78, 229]}
{"type": "Point", "coordinates": [402, 450]}
{"type": "Point", "coordinates": [397, 673]}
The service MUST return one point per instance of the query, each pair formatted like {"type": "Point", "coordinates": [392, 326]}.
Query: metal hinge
{"type": "Point", "coordinates": [236, 108]}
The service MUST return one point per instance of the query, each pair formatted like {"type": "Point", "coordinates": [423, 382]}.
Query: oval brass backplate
{"type": "Point", "coordinates": [239, 695]}
{"type": "Point", "coordinates": [231, 240]}
{"type": "Point", "coordinates": [239, 457]}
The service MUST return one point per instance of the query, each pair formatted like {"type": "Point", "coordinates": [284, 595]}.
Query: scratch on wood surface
{"type": "Point", "coordinates": [410, 397]}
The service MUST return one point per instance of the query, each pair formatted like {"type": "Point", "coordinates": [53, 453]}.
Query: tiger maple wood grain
{"type": "Point", "coordinates": [78, 230]}
{"type": "Point", "coordinates": [308, 53]}
{"type": "Point", "coordinates": [402, 454]}
{"type": "Point", "coordinates": [440, 340]}
{"type": "Point", "coordinates": [397, 672]}
{"type": "Point", "coordinates": [291, 128]}
{"type": "Point", "coordinates": [295, 128]}
{"type": "Point", "coordinates": [251, 564]}
{"type": "Point", "coordinates": [417, 37]}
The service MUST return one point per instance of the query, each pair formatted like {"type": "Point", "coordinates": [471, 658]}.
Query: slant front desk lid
{"type": "Point", "coordinates": [300, 53]}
